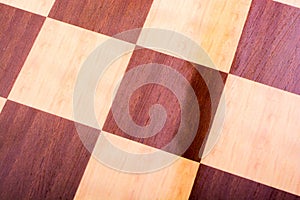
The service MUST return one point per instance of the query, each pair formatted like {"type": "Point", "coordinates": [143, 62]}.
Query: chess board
{"type": "Point", "coordinates": [233, 82]}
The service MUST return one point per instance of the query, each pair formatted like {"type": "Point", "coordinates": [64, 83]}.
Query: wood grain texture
{"type": "Point", "coordinates": [215, 25]}
{"type": "Point", "coordinates": [107, 17]}
{"type": "Point", "coordinates": [215, 184]}
{"type": "Point", "coordinates": [2, 103]}
{"type": "Point", "coordinates": [260, 137]}
{"type": "Point", "coordinates": [41, 7]}
{"type": "Point", "coordinates": [18, 31]}
{"type": "Point", "coordinates": [269, 49]}
{"type": "Point", "coordinates": [146, 96]}
{"type": "Point", "coordinates": [48, 77]}
{"type": "Point", "coordinates": [102, 182]}
{"type": "Point", "coordinates": [41, 154]}
{"type": "Point", "coordinates": [295, 3]}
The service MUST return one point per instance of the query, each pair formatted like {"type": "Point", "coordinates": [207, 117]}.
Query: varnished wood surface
{"type": "Point", "coordinates": [41, 7]}
{"type": "Point", "coordinates": [260, 137]}
{"type": "Point", "coordinates": [215, 184]}
{"type": "Point", "coordinates": [295, 3]}
{"type": "Point", "coordinates": [269, 49]}
{"type": "Point", "coordinates": [148, 95]}
{"type": "Point", "coordinates": [102, 182]}
{"type": "Point", "coordinates": [41, 155]}
{"type": "Point", "coordinates": [215, 25]}
{"type": "Point", "coordinates": [18, 31]}
{"type": "Point", "coordinates": [257, 154]}
{"type": "Point", "coordinates": [48, 77]}
{"type": "Point", "coordinates": [2, 103]}
{"type": "Point", "coordinates": [97, 15]}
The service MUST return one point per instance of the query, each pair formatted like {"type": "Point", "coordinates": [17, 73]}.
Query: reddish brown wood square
{"type": "Point", "coordinates": [146, 96]}
{"type": "Point", "coordinates": [18, 30]}
{"type": "Point", "coordinates": [107, 17]}
{"type": "Point", "coordinates": [269, 49]}
{"type": "Point", "coordinates": [41, 154]}
{"type": "Point", "coordinates": [212, 183]}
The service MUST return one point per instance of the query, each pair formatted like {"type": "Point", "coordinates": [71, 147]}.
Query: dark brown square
{"type": "Point", "coordinates": [211, 183]}
{"type": "Point", "coordinates": [18, 31]}
{"type": "Point", "coordinates": [107, 17]}
{"type": "Point", "coordinates": [152, 93]}
{"type": "Point", "coordinates": [41, 154]}
{"type": "Point", "coordinates": [269, 49]}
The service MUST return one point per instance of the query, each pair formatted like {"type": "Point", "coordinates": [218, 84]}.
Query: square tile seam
{"type": "Point", "coordinates": [133, 50]}
{"type": "Point", "coordinates": [7, 99]}
{"type": "Point", "coordinates": [136, 43]}
{"type": "Point", "coordinates": [47, 16]}
{"type": "Point", "coordinates": [139, 35]}
{"type": "Point", "coordinates": [125, 41]}
{"type": "Point", "coordinates": [89, 30]}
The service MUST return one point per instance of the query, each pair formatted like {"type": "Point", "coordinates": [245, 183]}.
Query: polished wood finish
{"type": "Point", "coordinates": [144, 97]}
{"type": "Point", "coordinates": [41, 154]}
{"type": "Point", "coordinates": [295, 3]}
{"type": "Point", "coordinates": [269, 50]}
{"type": "Point", "coordinates": [2, 103]}
{"type": "Point", "coordinates": [216, 25]}
{"type": "Point", "coordinates": [107, 17]}
{"type": "Point", "coordinates": [215, 184]}
{"type": "Point", "coordinates": [257, 153]}
{"type": "Point", "coordinates": [260, 137]}
{"type": "Point", "coordinates": [41, 7]}
{"type": "Point", "coordinates": [18, 31]}
{"type": "Point", "coordinates": [48, 77]}
{"type": "Point", "coordinates": [102, 182]}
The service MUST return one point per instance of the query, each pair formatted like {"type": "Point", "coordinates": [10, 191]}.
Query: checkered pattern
{"type": "Point", "coordinates": [255, 46]}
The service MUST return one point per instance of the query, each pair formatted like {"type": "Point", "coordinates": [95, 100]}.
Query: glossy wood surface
{"type": "Point", "coordinates": [18, 31]}
{"type": "Point", "coordinates": [269, 49]}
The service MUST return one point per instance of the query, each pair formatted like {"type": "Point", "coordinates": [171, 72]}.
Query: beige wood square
{"type": "Point", "coordinates": [47, 79]}
{"type": "Point", "coordinates": [260, 138]}
{"type": "Point", "coordinates": [295, 3]}
{"type": "Point", "coordinates": [102, 182]}
{"type": "Point", "coordinates": [215, 25]}
{"type": "Point", "coordinates": [41, 7]}
{"type": "Point", "coordinates": [2, 103]}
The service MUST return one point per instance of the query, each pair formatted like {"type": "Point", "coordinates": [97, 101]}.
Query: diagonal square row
{"type": "Point", "coordinates": [215, 25]}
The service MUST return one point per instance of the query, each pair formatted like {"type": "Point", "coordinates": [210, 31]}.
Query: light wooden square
{"type": "Point", "coordinates": [41, 7]}
{"type": "Point", "coordinates": [260, 138]}
{"type": "Point", "coordinates": [216, 25]}
{"type": "Point", "coordinates": [48, 77]}
{"type": "Point", "coordinates": [295, 3]}
{"type": "Point", "coordinates": [102, 182]}
{"type": "Point", "coordinates": [2, 103]}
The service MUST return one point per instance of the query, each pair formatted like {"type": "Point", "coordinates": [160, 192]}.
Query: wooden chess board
{"type": "Point", "coordinates": [255, 48]}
